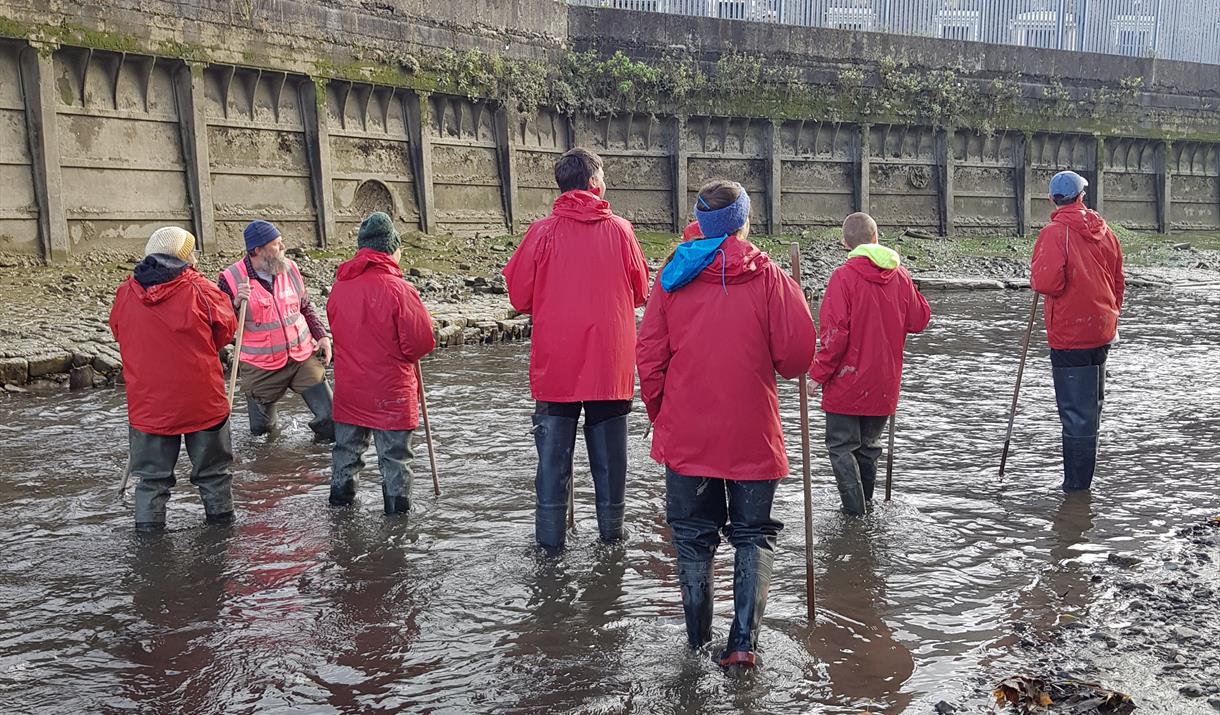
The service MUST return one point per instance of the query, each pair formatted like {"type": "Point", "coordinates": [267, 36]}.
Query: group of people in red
{"type": "Point", "coordinates": [167, 317]}
{"type": "Point", "coordinates": [722, 320]}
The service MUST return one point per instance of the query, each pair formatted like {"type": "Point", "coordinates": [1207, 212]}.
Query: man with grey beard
{"type": "Point", "coordinates": [282, 333]}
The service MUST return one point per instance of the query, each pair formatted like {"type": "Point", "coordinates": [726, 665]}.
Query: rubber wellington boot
{"type": "Point", "coordinates": [697, 581]}
{"type": "Point", "coordinates": [320, 401]}
{"type": "Point", "coordinates": [1076, 392]}
{"type": "Point", "coordinates": [555, 438]}
{"type": "Point", "coordinates": [751, 581]}
{"type": "Point", "coordinates": [607, 445]}
{"type": "Point", "coordinates": [262, 417]}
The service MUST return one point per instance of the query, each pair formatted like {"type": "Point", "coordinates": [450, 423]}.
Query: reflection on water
{"type": "Point", "coordinates": [301, 608]}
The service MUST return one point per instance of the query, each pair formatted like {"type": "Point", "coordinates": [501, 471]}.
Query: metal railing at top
{"type": "Point", "coordinates": [1187, 30]}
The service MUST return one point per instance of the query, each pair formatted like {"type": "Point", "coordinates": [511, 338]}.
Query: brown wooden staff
{"type": "Point", "coordinates": [889, 461]}
{"type": "Point", "coordinates": [810, 590]}
{"type": "Point", "coordinates": [423, 405]}
{"type": "Point", "coordinates": [1012, 412]}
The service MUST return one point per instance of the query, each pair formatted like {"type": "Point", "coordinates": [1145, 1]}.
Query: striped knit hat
{"type": "Point", "coordinates": [171, 241]}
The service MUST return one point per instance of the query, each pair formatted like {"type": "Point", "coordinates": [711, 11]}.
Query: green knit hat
{"type": "Point", "coordinates": [377, 232]}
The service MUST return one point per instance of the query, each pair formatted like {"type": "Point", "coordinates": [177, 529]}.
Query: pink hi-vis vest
{"type": "Point", "coordinates": [275, 329]}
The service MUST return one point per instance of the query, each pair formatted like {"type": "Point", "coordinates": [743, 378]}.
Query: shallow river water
{"type": "Point", "coordinates": [300, 608]}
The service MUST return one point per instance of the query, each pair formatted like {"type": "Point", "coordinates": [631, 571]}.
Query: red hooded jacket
{"type": "Point", "coordinates": [1078, 266]}
{"type": "Point", "coordinates": [870, 306]}
{"type": "Point", "coordinates": [170, 336]}
{"type": "Point", "coordinates": [707, 356]}
{"type": "Point", "coordinates": [381, 330]}
{"type": "Point", "coordinates": [581, 274]}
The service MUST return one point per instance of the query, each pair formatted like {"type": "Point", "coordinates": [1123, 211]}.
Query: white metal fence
{"type": "Point", "coordinates": [1173, 29]}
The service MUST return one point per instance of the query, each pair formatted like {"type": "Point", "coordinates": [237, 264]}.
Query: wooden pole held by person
{"type": "Point", "coordinates": [235, 356]}
{"type": "Point", "coordinates": [423, 405]}
{"type": "Point", "coordinates": [810, 590]}
{"type": "Point", "coordinates": [889, 461]}
{"type": "Point", "coordinates": [1012, 412]}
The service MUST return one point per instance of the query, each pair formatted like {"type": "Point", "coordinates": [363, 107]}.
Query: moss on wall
{"type": "Point", "coordinates": [734, 84]}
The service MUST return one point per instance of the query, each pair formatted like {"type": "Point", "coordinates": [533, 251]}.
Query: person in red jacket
{"type": "Point", "coordinates": [381, 330]}
{"type": "Point", "coordinates": [1078, 266]}
{"type": "Point", "coordinates": [580, 273]}
{"type": "Point", "coordinates": [170, 323]}
{"type": "Point", "coordinates": [870, 306]}
{"type": "Point", "coordinates": [721, 322]}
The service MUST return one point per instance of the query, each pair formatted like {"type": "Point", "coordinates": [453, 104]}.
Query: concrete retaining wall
{"type": "Point", "coordinates": [117, 117]}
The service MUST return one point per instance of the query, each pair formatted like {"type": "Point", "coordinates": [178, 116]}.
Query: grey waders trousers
{"type": "Point", "coordinates": [854, 444]}
{"type": "Point", "coordinates": [153, 457]}
{"type": "Point", "coordinates": [393, 461]}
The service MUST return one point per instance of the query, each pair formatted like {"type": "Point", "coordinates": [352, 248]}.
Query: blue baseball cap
{"type": "Point", "coordinates": [1067, 184]}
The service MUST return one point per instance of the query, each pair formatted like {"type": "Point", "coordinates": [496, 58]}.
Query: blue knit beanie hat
{"type": "Point", "coordinates": [715, 223]}
{"type": "Point", "coordinates": [260, 233]}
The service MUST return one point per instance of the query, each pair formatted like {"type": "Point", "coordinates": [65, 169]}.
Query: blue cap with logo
{"type": "Point", "coordinates": [1067, 184]}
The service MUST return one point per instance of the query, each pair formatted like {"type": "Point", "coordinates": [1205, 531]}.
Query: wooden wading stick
{"type": "Point", "coordinates": [889, 461]}
{"type": "Point", "coordinates": [235, 360]}
{"type": "Point", "coordinates": [1012, 413]}
{"type": "Point", "coordinates": [795, 254]}
{"type": "Point", "coordinates": [423, 404]}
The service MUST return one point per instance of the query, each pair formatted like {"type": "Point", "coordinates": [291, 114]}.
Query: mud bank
{"type": "Point", "coordinates": [53, 331]}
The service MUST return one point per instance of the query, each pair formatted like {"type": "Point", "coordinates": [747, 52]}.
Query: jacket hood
{"type": "Point", "coordinates": [368, 259]}
{"type": "Point", "coordinates": [582, 206]}
{"type": "Point", "coordinates": [740, 261]}
{"type": "Point", "coordinates": [158, 268]}
{"type": "Point", "coordinates": [161, 292]}
{"type": "Point", "coordinates": [876, 263]}
{"type": "Point", "coordinates": [1082, 220]}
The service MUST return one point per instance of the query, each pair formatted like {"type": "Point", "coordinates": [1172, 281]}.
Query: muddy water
{"type": "Point", "coordinates": [303, 609]}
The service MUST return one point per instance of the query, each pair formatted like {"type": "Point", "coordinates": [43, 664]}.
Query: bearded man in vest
{"type": "Point", "coordinates": [282, 333]}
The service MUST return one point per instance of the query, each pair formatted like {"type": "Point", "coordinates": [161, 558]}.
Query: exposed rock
{"type": "Point", "coordinates": [14, 371]}
{"type": "Point", "coordinates": [81, 377]}
{"type": "Point", "coordinates": [50, 364]}
{"type": "Point", "coordinates": [107, 363]}
{"type": "Point", "coordinates": [958, 284]}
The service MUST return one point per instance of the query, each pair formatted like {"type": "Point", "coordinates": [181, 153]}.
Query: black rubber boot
{"type": "Point", "coordinates": [262, 417]}
{"type": "Point", "coordinates": [1078, 398]}
{"type": "Point", "coordinates": [751, 581]}
{"type": "Point", "coordinates": [607, 445]}
{"type": "Point", "coordinates": [348, 460]}
{"type": "Point", "coordinates": [342, 496]}
{"type": "Point", "coordinates": [697, 581]}
{"type": "Point", "coordinates": [320, 401]}
{"type": "Point", "coordinates": [555, 438]}
{"type": "Point", "coordinates": [222, 518]}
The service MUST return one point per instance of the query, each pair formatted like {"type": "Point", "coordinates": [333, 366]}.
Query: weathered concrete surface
{"type": "Point", "coordinates": [928, 284]}
{"type": "Point", "coordinates": [312, 114]}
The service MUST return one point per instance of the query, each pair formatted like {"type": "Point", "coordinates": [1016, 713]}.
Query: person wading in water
{"type": "Point", "coordinates": [722, 320]}
{"type": "Point", "coordinates": [870, 306]}
{"type": "Point", "coordinates": [282, 333]}
{"type": "Point", "coordinates": [1078, 266]}
{"type": "Point", "coordinates": [580, 273]}
{"type": "Point", "coordinates": [382, 330]}
{"type": "Point", "coordinates": [171, 323]}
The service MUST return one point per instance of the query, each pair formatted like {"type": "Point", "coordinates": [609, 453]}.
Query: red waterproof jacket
{"type": "Point", "coordinates": [380, 329]}
{"type": "Point", "coordinates": [1078, 266]}
{"type": "Point", "coordinates": [170, 336]}
{"type": "Point", "coordinates": [581, 274]}
{"type": "Point", "coordinates": [707, 356]}
{"type": "Point", "coordinates": [870, 306]}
